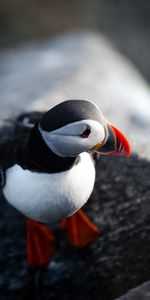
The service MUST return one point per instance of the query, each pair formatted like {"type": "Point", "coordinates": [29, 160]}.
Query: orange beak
{"type": "Point", "coordinates": [116, 144]}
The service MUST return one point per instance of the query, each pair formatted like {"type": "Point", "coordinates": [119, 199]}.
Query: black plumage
{"type": "Point", "coordinates": [26, 147]}
{"type": "Point", "coordinates": [70, 111]}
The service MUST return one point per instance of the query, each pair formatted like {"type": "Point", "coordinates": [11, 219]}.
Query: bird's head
{"type": "Point", "coordinates": [75, 126]}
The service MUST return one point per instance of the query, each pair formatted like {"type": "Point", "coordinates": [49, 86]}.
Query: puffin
{"type": "Point", "coordinates": [47, 172]}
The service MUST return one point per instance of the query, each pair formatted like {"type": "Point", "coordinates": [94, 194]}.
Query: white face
{"type": "Point", "coordinates": [74, 138]}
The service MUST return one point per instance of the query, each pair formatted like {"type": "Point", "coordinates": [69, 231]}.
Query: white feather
{"type": "Point", "coordinates": [66, 141]}
{"type": "Point", "coordinates": [50, 197]}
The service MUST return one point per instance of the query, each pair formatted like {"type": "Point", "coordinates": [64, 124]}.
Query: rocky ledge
{"type": "Point", "coordinates": [84, 66]}
{"type": "Point", "coordinates": [106, 269]}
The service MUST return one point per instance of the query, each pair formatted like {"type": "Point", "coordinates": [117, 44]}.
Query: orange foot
{"type": "Point", "coordinates": [41, 244]}
{"type": "Point", "coordinates": [79, 230]}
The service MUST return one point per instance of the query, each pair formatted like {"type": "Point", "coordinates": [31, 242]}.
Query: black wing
{"type": "Point", "coordinates": [20, 125]}
{"type": "Point", "coordinates": [13, 132]}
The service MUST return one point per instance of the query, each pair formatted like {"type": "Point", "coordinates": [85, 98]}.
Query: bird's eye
{"type": "Point", "coordinates": [86, 132]}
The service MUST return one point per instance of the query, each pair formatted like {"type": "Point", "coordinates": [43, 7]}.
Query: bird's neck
{"type": "Point", "coordinates": [43, 158]}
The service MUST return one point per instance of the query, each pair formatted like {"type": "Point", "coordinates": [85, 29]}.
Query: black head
{"type": "Point", "coordinates": [75, 126]}
{"type": "Point", "coordinates": [68, 112]}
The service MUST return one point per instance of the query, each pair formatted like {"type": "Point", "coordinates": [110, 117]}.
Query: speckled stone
{"type": "Point", "coordinates": [106, 269]}
{"type": "Point", "coordinates": [38, 76]}
{"type": "Point", "coordinates": [77, 66]}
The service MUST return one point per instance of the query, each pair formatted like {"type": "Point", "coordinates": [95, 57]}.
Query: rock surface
{"type": "Point", "coordinates": [84, 66]}
{"type": "Point", "coordinates": [141, 292]}
{"type": "Point", "coordinates": [77, 66]}
{"type": "Point", "coordinates": [116, 262]}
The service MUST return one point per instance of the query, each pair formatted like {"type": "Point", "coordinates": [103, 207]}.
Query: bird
{"type": "Point", "coordinates": [47, 172]}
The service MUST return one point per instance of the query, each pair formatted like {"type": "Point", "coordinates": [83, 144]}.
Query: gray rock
{"type": "Point", "coordinates": [106, 269]}
{"type": "Point", "coordinates": [85, 65]}
{"type": "Point", "coordinates": [142, 292]}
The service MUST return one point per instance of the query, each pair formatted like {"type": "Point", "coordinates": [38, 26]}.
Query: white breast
{"type": "Point", "coordinates": [50, 197]}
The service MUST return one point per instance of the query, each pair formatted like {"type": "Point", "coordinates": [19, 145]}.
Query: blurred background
{"type": "Point", "coordinates": [51, 51]}
{"type": "Point", "coordinates": [125, 23]}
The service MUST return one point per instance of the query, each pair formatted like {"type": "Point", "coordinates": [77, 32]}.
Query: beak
{"type": "Point", "coordinates": [115, 144]}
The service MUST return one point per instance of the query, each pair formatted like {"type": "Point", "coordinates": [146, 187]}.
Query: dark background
{"type": "Point", "coordinates": [125, 22]}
